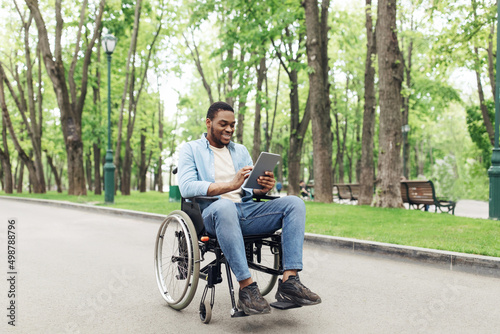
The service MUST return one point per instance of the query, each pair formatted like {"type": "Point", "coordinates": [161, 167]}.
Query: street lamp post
{"type": "Point", "coordinates": [494, 171]}
{"type": "Point", "coordinates": [108, 44]}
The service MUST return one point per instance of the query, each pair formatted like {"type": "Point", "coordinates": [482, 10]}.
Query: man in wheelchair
{"type": "Point", "coordinates": [216, 166]}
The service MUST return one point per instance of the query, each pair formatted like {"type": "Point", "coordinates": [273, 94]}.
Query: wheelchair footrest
{"type": "Point", "coordinates": [284, 305]}
{"type": "Point", "coordinates": [237, 314]}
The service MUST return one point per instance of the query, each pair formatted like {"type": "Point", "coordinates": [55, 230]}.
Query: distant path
{"type": "Point", "coordinates": [84, 272]}
{"type": "Point", "coordinates": [472, 209]}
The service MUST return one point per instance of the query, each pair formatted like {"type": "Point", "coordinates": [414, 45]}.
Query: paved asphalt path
{"type": "Point", "coordinates": [82, 272]}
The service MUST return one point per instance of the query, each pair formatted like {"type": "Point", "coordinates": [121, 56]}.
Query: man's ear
{"type": "Point", "coordinates": [208, 122]}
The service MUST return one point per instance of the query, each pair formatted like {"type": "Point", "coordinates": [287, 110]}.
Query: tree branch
{"type": "Point", "coordinates": [87, 59]}
{"type": "Point", "coordinates": [71, 74]}
{"type": "Point", "coordinates": [197, 61]}
{"type": "Point", "coordinates": [59, 28]}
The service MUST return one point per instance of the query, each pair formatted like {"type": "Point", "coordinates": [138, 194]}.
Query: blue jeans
{"type": "Point", "coordinates": [231, 221]}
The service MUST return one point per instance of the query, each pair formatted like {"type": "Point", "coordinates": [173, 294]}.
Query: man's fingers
{"type": "Point", "coordinates": [270, 174]}
{"type": "Point", "coordinates": [266, 182]}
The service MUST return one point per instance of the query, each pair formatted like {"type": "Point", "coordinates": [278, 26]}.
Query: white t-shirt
{"type": "Point", "coordinates": [224, 171]}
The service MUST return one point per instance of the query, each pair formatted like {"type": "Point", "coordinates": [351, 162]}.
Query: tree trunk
{"type": "Point", "coordinates": [134, 96]}
{"type": "Point", "coordinates": [242, 100]}
{"type": "Point", "coordinates": [484, 110]}
{"type": "Point", "coordinates": [341, 146]}
{"type": "Point", "coordinates": [491, 62]}
{"type": "Point", "coordinates": [297, 133]}
{"type": "Point", "coordinates": [57, 176]}
{"type": "Point", "coordinates": [48, 177]}
{"type": "Point", "coordinates": [259, 99]}
{"type": "Point", "coordinates": [38, 187]}
{"type": "Point", "coordinates": [34, 126]}
{"type": "Point", "coordinates": [8, 124]}
{"type": "Point", "coordinates": [298, 127]}
{"type": "Point", "coordinates": [5, 160]}
{"type": "Point", "coordinates": [20, 177]}
{"type": "Point", "coordinates": [279, 150]}
{"type": "Point", "coordinates": [70, 104]}
{"type": "Point", "coordinates": [350, 156]}
{"type": "Point", "coordinates": [127, 160]}
{"type": "Point", "coordinates": [388, 192]}
{"type": "Point", "coordinates": [159, 178]}
{"type": "Point", "coordinates": [319, 100]}
{"type": "Point", "coordinates": [88, 169]}
{"type": "Point", "coordinates": [419, 159]}
{"type": "Point", "coordinates": [406, 106]}
{"type": "Point", "coordinates": [97, 169]}
{"type": "Point", "coordinates": [367, 174]}
{"type": "Point", "coordinates": [96, 145]}
{"type": "Point", "coordinates": [228, 88]}
{"type": "Point", "coordinates": [126, 170]}
{"type": "Point", "coordinates": [130, 57]}
{"type": "Point", "coordinates": [357, 166]}
{"type": "Point", "coordinates": [269, 130]}
{"type": "Point", "coordinates": [241, 119]}
{"type": "Point", "coordinates": [142, 165]}
{"type": "Point", "coordinates": [7, 173]}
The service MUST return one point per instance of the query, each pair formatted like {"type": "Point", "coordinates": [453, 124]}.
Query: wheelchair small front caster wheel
{"type": "Point", "coordinates": [205, 312]}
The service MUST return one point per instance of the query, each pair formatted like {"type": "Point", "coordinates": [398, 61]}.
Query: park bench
{"type": "Point", "coordinates": [354, 191]}
{"type": "Point", "coordinates": [404, 192]}
{"type": "Point", "coordinates": [417, 194]}
{"type": "Point", "coordinates": [347, 191]}
{"type": "Point", "coordinates": [421, 194]}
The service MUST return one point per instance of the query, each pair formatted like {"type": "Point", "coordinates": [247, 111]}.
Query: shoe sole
{"type": "Point", "coordinates": [251, 311]}
{"type": "Point", "coordinates": [281, 297]}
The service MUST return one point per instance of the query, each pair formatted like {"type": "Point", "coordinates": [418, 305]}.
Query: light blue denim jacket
{"type": "Point", "coordinates": [196, 166]}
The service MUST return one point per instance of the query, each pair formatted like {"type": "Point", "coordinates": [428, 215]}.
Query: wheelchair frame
{"type": "Point", "coordinates": [188, 241]}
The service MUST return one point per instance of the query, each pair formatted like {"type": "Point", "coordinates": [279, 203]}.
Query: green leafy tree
{"type": "Point", "coordinates": [478, 132]}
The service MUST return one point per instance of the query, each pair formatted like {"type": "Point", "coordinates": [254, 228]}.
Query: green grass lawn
{"type": "Point", "coordinates": [396, 226]}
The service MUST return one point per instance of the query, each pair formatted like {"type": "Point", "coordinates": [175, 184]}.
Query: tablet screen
{"type": "Point", "coordinates": [266, 162]}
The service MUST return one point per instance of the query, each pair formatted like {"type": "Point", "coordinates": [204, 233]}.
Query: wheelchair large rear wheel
{"type": "Point", "coordinates": [177, 260]}
{"type": "Point", "coordinates": [266, 256]}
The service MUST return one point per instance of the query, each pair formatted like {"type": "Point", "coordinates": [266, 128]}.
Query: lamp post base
{"type": "Point", "coordinates": [109, 178]}
{"type": "Point", "coordinates": [494, 175]}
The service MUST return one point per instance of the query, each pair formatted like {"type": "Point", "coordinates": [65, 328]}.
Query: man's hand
{"type": "Point", "coordinates": [266, 182]}
{"type": "Point", "coordinates": [224, 187]}
{"type": "Point", "coordinates": [241, 176]}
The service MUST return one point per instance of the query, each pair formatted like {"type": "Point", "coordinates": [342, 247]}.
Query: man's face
{"type": "Point", "coordinates": [221, 128]}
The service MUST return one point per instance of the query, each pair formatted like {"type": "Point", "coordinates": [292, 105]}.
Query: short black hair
{"type": "Point", "coordinates": [216, 107]}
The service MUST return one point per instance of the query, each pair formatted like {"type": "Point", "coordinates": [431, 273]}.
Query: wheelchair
{"type": "Point", "coordinates": [182, 245]}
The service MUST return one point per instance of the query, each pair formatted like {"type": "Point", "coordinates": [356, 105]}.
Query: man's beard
{"type": "Point", "coordinates": [215, 138]}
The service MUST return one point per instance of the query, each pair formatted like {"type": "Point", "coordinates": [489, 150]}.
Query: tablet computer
{"type": "Point", "coordinates": [266, 162]}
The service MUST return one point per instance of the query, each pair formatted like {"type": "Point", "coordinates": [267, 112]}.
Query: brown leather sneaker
{"type": "Point", "coordinates": [251, 301]}
{"type": "Point", "coordinates": [293, 291]}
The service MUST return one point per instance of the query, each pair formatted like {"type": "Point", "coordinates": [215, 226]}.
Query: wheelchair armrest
{"type": "Point", "coordinates": [259, 198]}
{"type": "Point", "coordinates": [203, 198]}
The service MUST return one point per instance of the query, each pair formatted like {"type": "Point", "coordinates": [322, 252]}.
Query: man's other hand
{"type": "Point", "coordinates": [267, 183]}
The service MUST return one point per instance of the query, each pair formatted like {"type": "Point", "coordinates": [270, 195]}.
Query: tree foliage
{"type": "Point", "coordinates": [254, 55]}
